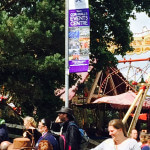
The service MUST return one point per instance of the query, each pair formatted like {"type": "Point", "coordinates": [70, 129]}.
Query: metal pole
{"type": "Point", "coordinates": [132, 106]}
{"type": "Point", "coordinates": [66, 55]}
{"type": "Point", "coordinates": [137, 111]}
{"type": "Point", "coordinates": [133, 60]}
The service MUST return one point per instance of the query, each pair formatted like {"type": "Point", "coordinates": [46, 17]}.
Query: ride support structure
{"type": "Point", "coordinates": [139, 102]}
{"type": "Point", "coordinates": [133, 60]}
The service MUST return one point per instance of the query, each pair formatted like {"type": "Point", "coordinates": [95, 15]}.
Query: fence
{"type": "Point", "coordinates": [14, 130]}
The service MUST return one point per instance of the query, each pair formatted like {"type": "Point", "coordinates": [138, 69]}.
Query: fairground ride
{"type": "Point", "coordinates": [141, 96]}
{"type": "Point", "coordinates": [118, 80]}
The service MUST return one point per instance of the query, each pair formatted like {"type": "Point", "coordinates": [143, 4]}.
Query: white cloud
{"type": "Point", "coordinates": [142, 20]}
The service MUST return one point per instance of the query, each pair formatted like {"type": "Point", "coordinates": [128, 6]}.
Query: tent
{"type": "Point", "coordinates": [122, 101]}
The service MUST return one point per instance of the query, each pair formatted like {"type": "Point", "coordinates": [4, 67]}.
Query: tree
{"type": "Point", "coordinates": [110, 25]}
{"type": "Point", "coordinates": [32, 46]}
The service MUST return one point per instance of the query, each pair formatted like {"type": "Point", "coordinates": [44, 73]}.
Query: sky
{"type": "Point", "coordinates": [141, 23]}
{"type": "Point", "coordinates": [131, 71]}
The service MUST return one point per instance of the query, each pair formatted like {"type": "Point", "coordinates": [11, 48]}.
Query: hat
{"type": "Point", "coordinates": [20, 143]}
{"type": "Point", "coordinates": [66, 110]}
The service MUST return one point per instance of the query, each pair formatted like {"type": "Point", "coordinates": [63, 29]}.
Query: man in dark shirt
{"type": "Point", "coordinates": [70, 136]}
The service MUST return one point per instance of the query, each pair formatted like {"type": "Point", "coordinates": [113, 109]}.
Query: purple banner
{"type": "Point", "coordinates": [79, 17]}
{"type": "Point", "coordinates": [78, 66]}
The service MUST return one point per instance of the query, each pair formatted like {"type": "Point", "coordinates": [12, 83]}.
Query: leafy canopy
{"type": "Point", "coordinates": [32, 46]}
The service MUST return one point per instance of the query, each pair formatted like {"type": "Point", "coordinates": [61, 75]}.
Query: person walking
{"type": "Point", "coordinates": [70, 136]}
{"type": "Point", "coordinates": [143, 139]}
{"type": "Point", "coordinates": [3, 131]}
{"type": "Point", "coordinates": [44, 129]}
{"type": "Point", "coordinates": [134, 134]}
{"type": "Point", "coordinates": [146, 146]}
{"type": "Point", "coordinates": [119, 140]}
{"type": "Point", "coordinates": [30, 130]}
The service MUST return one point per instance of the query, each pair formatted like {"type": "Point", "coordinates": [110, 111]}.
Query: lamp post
{"type": "Point", "coordinates": [66, 55]}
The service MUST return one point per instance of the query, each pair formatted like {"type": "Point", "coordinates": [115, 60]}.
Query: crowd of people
{"type": "Point", "coordinates": [143, 138]}
{"type": "Point", "coordinates": [119, 139]}
{"type": "Point", "coordinates": [41, 138]}
{"type": "Point", "coordinates": [68, 137]}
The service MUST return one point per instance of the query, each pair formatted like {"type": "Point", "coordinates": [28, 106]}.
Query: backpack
{"type": "Point", "coordinates": [27, 134]}
{"type": "Point", "coordinates": [84, 137]}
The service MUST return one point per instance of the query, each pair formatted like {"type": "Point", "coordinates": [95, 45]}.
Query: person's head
{"type": "Point", "coordinates": [44, 125]}
{"type": "Point", "coordinates": [4, 145]}
{"type": "Point", "coordinates": [45, 145]}
{"type": "Point", "coordinates": [148, 139]}
{"type": "Point", "coordinates": [144, 131]}
{"type": "Point", "coordinates": [65, 114]}
{"type": "Point", "coordinates": [116, 128]}
{"type": "Point", "coordinates": [143, 138]}
{"type": "Point", "coordinates": [134, 134]}
{"type": "Point", "coordinates": [29, 122]}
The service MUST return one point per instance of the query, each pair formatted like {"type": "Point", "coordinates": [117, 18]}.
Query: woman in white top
{"type": "Point", "coordinates": [119, 140]}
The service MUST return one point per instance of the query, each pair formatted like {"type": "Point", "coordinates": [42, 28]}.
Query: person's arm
{"type": "Point", "coordinates": [134, 145]}
{"type": "Point", "coordinates": [106, 144]}
{"type": "Point", "coordinates": [2, 134]}
{"type": "Point", "coordinates": [99, 147]}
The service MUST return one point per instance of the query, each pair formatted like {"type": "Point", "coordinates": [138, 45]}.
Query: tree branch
{"type": "Point", "coordinates": [11, 2]}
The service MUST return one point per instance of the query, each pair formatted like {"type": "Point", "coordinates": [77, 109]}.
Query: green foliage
{"type": "Point", "coordinates": [32, 56]}
{"type": "Point", "coordinates": [110, 25]}
{"type": "Point", "coordinates": [32, 47]}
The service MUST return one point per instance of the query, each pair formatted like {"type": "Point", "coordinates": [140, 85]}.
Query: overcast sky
{"type": "Point", "coordinates": [136, 26]}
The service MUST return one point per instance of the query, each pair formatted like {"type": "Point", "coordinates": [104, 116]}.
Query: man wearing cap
{"type": "Point", "coordinates": [70, 137]}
